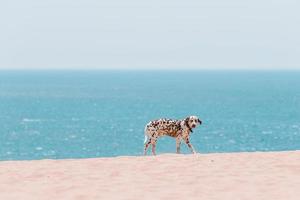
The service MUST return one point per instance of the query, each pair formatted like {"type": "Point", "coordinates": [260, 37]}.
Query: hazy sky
{"type": "Point", "coordinates": [168, 34]}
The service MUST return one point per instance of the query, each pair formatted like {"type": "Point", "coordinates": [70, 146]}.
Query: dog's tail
{"type": "Point", "coordinates": [146, 135]}
{"type": "Point", "coordinates": [146, 139]}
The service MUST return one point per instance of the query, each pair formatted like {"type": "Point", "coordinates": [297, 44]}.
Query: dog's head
{"type": "Point", "coordinates": [192, 122]}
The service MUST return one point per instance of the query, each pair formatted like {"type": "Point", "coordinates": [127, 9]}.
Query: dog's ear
{"type": "Point", "coordinates": [186, 121]}
{"type": "Point", "coordinates": [200, 122]}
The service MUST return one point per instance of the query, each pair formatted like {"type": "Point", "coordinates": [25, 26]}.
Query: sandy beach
{"type": "Point", "coordinates": [274, 175]}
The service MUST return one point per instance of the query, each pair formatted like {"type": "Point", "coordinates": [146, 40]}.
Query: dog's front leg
{"type": "Point", "coordinates": [187, 141]}
{"type": "Point", "coordinates": [178, 142]}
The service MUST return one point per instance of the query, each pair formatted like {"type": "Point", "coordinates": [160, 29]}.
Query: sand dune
{"type": "Point", "coordinates": [203, 176]}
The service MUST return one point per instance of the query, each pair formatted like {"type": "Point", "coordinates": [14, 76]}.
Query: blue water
{"type": "Point", "coordinates": [81, 114]}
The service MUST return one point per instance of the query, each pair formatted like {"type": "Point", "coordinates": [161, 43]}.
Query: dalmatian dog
{"type": "Point", "coordinates": [178, 129]}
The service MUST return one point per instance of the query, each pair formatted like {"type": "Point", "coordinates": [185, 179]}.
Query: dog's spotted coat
{"type": "Point", "coordinates": [179, 129]}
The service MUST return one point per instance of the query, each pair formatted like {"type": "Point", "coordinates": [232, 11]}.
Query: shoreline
{"type": "Point", "coordinates": [253, 175]}
{"type": "Point", "coordinates": [150, 155]}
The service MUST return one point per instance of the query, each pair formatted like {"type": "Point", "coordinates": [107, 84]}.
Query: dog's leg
{"type": "Point", "coordinates": [187, 141]}
{"type": "Point", "coordinates": [153, 142]}
{"type": "Point", "coordinates": [146, 146]}
{"type": "Point", "coordinates": [178, 142]}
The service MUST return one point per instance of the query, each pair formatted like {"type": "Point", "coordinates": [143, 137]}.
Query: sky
{"type": "Point", "coordinates": [149, 34]}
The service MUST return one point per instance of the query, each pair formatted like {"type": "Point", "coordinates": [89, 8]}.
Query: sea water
{"type": "Point", "coordinates": [83, 114]}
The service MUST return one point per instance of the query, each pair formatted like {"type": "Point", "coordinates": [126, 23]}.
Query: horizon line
{"type": "Point", "coordinates": [149, 69]}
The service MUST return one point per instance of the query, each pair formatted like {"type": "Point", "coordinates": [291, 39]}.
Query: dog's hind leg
{"type": "Point", "coordinates": [146, 144]}
{"type": "Point", "coordinates": [147, 140]}
{"type": "Point", "coordinates": [153, 142]}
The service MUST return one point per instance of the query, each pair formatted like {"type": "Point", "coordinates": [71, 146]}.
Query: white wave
{"type": "Point", "coordinates": [295, 126]}
{"type": "Point", "coordinates": [39, 148]}
{"type": "Point", "coordinates": [31, 120]}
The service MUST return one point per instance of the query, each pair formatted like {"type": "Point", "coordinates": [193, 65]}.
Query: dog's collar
{"type": "Point", "coordinates": [187, 124]}
{"type": "Point", "coordinates": [190, 129]}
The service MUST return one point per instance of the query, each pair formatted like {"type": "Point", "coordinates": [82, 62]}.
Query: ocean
{"type": "Point", "coordinates": [84, 114]}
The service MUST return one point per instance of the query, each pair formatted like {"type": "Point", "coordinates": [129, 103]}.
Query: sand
{"type": "Point", "coordinates": [234, 176]}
